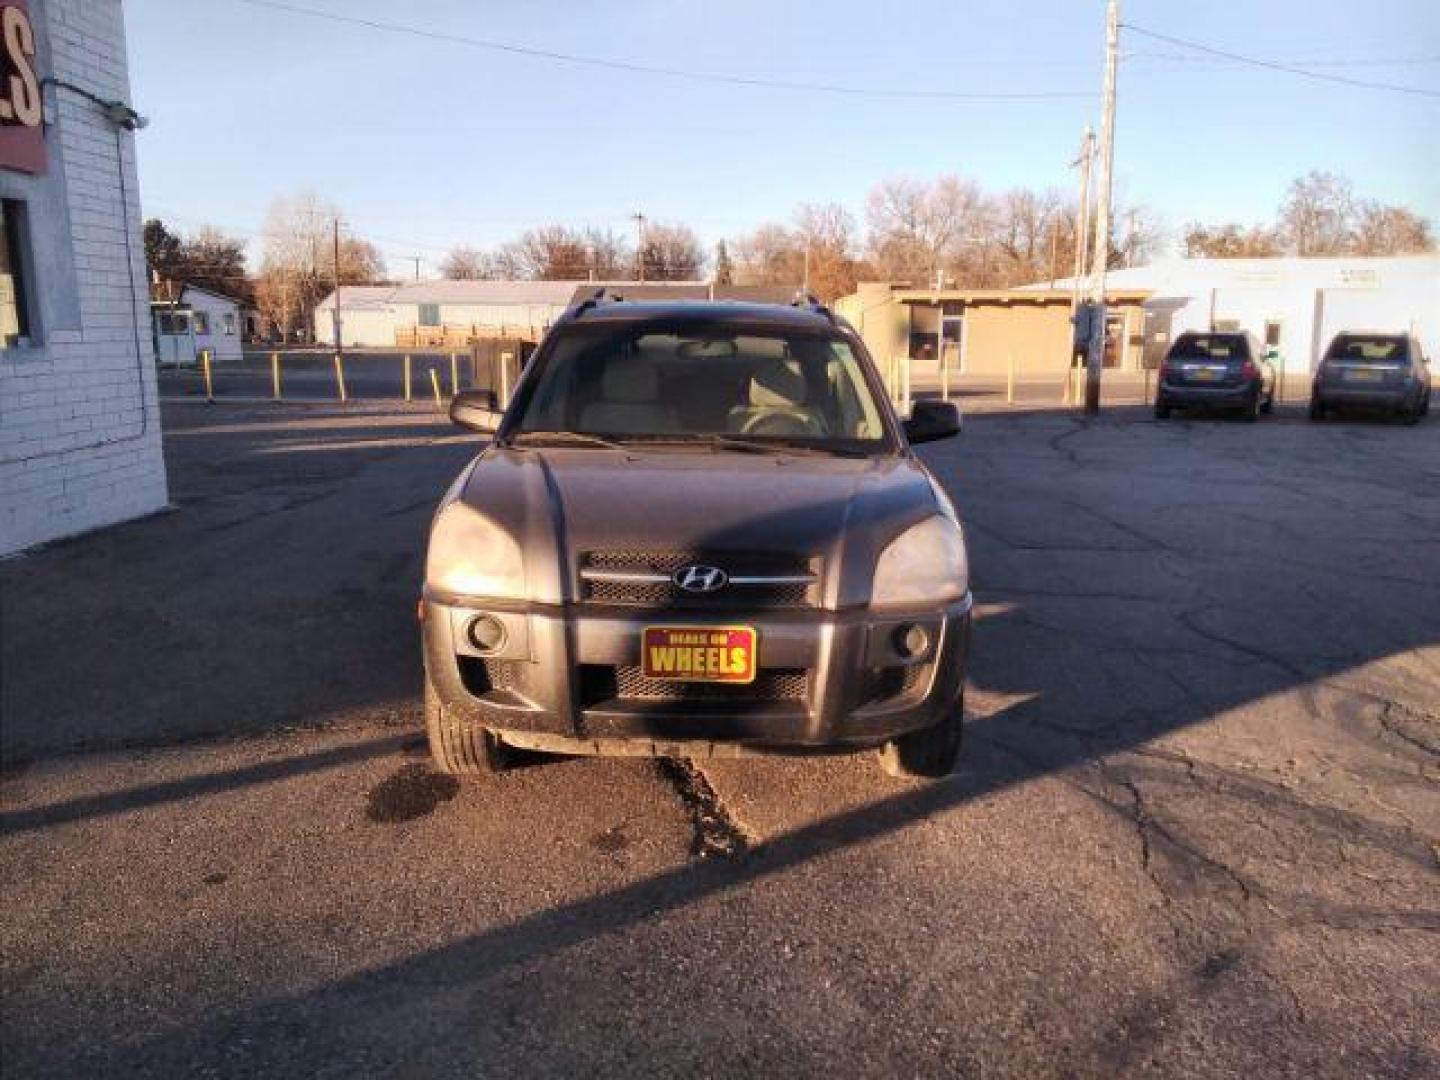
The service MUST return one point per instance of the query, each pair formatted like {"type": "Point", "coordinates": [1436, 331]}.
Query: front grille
{"type": "Point", "coordinates": [771, 684]}
{"type": "Point", "coordinates": [667, 594]}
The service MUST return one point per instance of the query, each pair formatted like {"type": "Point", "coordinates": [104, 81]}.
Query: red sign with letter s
{"type": "Point", "coordinates": [22, 135]}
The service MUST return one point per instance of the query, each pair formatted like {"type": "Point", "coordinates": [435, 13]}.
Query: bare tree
{"type": "Point", "coordinates": [671, 253]}
{"type": "Point", "coordinates": [548, 253]}
{"type": "Point", "coordinates": [918, 229]}
{"type": "Point", "coordinates": [771, 255]}
{"type": "Point", "coordinates": [1027, 229]}
{"type": "Point", "coordinates": [292, 280]}
{"type": "Point", "coordinates": [1391, 230]}
{"type": "Point", "coordinates": [466, 264]}
{"type": "Point", "coordinates": [1318, 216]}
{"type": "Point", "coordinates": [827, 238]}
{"type": "Point", "coordinates": [1230, 241]}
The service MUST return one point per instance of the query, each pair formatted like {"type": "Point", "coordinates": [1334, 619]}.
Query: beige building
{"type": "Point", "coordinates": [986, 331]}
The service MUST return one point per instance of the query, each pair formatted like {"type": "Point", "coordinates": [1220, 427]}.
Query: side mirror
{"type": "Point", "coordinates": [475, 410]}
{"type": "Point", "coordinates": [931, 420]}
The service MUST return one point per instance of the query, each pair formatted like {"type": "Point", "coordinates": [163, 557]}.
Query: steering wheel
{"type": "Point", "coordinates": [782, 424]}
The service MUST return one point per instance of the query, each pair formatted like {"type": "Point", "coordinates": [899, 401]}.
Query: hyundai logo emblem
{"type": "Point", "coordinates": [700, 579]}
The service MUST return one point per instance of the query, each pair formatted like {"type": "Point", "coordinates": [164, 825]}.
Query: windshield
{"type": "Point", "coordinates": [1219, 347]}
{"type": "Point", "coordinates": [642, 382]}
{"type": "Point", "coordinates": [1369, 350]}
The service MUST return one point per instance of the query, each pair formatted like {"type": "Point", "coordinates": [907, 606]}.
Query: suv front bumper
{"type": "Point", "coordinates": [566, 678]}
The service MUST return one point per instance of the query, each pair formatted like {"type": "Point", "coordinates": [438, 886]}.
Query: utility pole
{"type": "Point", "coordinates": [639, 220]}
{"type": "Point", "coordinates": [416, 260]}
{"type": "Point", "coordinates": [1082, 230]}
{"type": "Point", "coordinates": [339, 341]}
{"type": "Point", "coordinates": [1101, 255]}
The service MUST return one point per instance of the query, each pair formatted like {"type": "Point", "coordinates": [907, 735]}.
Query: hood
{"type": "Point", "coordinates": [560, 504]}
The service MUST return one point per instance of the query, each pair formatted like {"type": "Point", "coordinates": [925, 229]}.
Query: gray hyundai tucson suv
{"type": "Point", "coordinates": [698, 529]}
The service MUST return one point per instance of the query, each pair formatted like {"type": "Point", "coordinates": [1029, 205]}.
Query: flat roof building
{"type": "Point", "coordinates": [1295, 305]}
{"type": "Point", "coordinates": [450, 313]}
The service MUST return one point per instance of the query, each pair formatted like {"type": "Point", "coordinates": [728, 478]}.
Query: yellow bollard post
{"type": "Point", "coordinates": [407, 377]}
{"type": "Point", "coordinates": [1010, 381]}
{"type": "Point", "coordinates": [506, 359]}
{"type": "Point", "coordinates": [209, 379]}
{"type": "Point", "coordinates": [944, 377]}
{"type": "Point", "coordinates": [275, 375]}
{"type": "Point", "coordinates": [435, 384]}
{"type": "Point", "coordinates": [454, 374]}
{"type": "Point", "coordinates": [340, 377]}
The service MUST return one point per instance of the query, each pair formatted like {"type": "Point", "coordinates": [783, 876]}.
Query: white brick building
{"type": "Point", "coordinates": [79, 419]}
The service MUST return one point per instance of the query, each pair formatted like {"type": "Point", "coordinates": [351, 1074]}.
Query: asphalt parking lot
{"type": "Point", "coordinates": [1196, 830]}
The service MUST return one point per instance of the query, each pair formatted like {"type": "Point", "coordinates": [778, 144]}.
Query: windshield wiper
{"type": "Point", "coordinates": [765, 446]}
{"type": "Point", "coordinates": [564, 438]}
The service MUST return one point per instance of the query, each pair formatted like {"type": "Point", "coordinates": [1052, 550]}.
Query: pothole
{"type": "Point", "coordinates": [717, 835]}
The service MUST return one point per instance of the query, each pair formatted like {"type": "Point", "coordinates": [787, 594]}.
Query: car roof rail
{"type": "Point", "coordinates": [602, 295]}
{"type": "Point", "coordinates": [804, 298]}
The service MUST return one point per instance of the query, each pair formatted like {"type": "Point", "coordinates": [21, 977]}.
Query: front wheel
{"type": "Point", "coordinates": [1252, 408]}
{"type": "Point", "coordinates": [457, 746]}
{"type": "Point", "coordinates": [929, 753]}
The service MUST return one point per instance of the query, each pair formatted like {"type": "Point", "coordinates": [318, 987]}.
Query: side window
{"type": "Point", "coordinates": [200, 320]}
{"type": "Point", "coordinates": [228, 320]}
{"type": "Point", "coordinates": [14, 289]}
{"type": "Point", "coordinates": [429, 315]}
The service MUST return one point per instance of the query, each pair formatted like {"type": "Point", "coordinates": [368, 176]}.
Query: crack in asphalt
{"type": "Point", "coordinates": [717, 832]}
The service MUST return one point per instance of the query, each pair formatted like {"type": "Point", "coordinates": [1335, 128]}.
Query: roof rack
{"type": "Point", "coordinates": [804, 298]}
{"type": "Point", "coordinates": [602, 295]}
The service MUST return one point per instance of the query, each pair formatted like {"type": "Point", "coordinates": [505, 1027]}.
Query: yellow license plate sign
{"type": "Point", "coordinates": [1363, 375]}
{"type": "Point", "coordinates": [699, 653]}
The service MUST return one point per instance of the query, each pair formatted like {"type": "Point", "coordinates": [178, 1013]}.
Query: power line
{"type": "Point", "coordinates": [653, 69]}
{"type": "Point", "coordinates": [1275, 65]}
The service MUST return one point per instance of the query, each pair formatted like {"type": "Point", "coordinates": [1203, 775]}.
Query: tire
{"type": "Point", "coordinates": [1268, 405]}
{"type": "Point", "coordinates": [1412, 415]}
{"type": "Point", "coordinates": [1252, 409]}
{"type": "Point", "coordinates": [928, 754]}
{"type": "Point", "coordinates": [460, 748]}
{"type": "Point", "coordinates": [1162, 409]}
{"type": "Point", "coordinates": [1317, 410]}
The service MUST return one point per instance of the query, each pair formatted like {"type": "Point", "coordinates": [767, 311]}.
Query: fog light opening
{"type": "Point", "coordinates": [911, 640]}
{"type": "Point", "coordinates": [486, 633]}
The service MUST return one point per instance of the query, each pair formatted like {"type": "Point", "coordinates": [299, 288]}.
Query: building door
{"type": "Point", "coordinates": [1115, 338]}
{"type": "Point", "coordinates": [952, 337]}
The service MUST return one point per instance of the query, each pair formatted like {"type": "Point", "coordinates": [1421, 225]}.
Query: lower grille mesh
{"type": "Point", "coordinates": [771, 684]}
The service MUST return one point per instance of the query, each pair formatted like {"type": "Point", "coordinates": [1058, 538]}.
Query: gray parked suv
{"type": "Point", "coordinates": [699, 529]}
{"type": "Point", "coordinates": [1382, 372]}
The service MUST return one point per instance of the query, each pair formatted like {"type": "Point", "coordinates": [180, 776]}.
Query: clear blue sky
{"type": "Point", "coordinates": [425, 144]}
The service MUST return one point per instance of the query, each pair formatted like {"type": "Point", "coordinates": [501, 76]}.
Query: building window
{"type": "Point", "coordinates": [228, 319]}
{"type": "Point", "coordinates": [429, 314]}
{"type": "Point", "coordinates": [14, 294]}
{"type": "Point", "coordinates": [200, 320]}
{"type": "Point", "coordinates": [1272, 333]}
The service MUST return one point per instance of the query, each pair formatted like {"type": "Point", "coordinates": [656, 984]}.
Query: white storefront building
{"type": "Point", "coordinates": [1295, 305]}
{"type": "Point", "coordinates": [79, 421]}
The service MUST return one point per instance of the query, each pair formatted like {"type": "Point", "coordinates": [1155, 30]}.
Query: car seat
{"type": "Point", "coordinates": [630, 401]}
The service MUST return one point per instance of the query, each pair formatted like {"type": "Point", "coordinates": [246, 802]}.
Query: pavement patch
{"type": "Point", "coordinates": [413, 791]}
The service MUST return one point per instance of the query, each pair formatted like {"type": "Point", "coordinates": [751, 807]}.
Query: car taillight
{"type": "Point", "coordinates": [1249, 370]}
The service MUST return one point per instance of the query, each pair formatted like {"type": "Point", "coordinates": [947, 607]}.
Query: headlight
{"type": "Point", "coordinates": [472, 556]}
{"type": "Point", "coordinates": [924, 564]}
